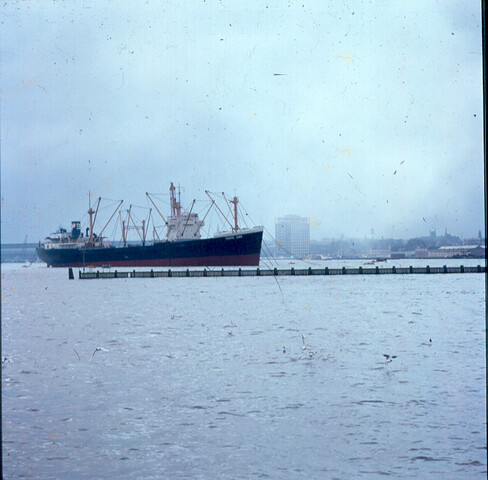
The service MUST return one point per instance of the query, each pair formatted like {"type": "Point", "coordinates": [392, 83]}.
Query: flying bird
{"type": "Point", "coordinates": [98, 349]}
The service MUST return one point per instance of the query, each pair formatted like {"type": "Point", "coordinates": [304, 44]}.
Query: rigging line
{"type": "Point", "coordinates": [110, 219]}
{"type": "Point", "coordinates": [267, 231]}
{"type": "Point", "coordinates": [279, 286]}
{"type": "Point", "coordinates": [244, 209]}
{"type": "Point", "coordinates": [270, 255]}
{"type": "Point", "coordinates": [230, 210]}
{"type": "Point", "coordinates": [200, 211]}
{"type": "Point", "coordinates": [208, 211]}
{"type": "Point", "coordinates": [114, 231]}
{"type": "Point", "coordinates": [187, 218]}
{"type": "Point", "coordinates": [242, 216]}
{"type": "Point", "coordinates": [140, 206]}
{"type": "Point", "coordinates": [276, 244]}
{"type": "Point", "coordinates": [106, 207]}
{"type": "Point", "coordinates": [110, 199]}
{"type": "Point", "coordinates": [216, 206]}
{"type": "Point", "coordinates": [136, 228]}
{"type": "Point", "coordinates": [135, 216]}
{"type": "Point", "coordinates": [154, 229]}
{"type": "Point", "coordinates": [148, 196]}
{"type": "Point", "coordinates": [207, 229]}
{"type": "Point", "coordinates": [265, 263]}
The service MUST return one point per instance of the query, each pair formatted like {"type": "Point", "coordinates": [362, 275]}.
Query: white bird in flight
{"type": "Point", "coordinates": [98, 349]}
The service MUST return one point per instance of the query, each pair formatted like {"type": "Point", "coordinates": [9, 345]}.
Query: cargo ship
{"type": "Point", "coordinates": [183, 246]}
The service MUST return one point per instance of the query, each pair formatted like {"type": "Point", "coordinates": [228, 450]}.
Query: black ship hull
{"type": "Point", "coordinates": [239, 249]}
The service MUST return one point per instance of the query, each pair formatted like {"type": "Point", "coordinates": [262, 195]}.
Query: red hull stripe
{"type": "Point", "coordinates": [251, 260]}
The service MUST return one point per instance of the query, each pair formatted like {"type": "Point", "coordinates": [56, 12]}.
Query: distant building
{"type": "Point", "coordinates": [465, 251]}
{"type": "Point", "coordinates": [292, 234]}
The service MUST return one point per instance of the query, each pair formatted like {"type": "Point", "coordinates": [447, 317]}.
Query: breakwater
{"type": "Point", "coordinates": [276, 272]}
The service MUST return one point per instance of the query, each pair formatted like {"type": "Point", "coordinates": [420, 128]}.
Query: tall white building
{"type": "Point", "coordinates": [292, 234]}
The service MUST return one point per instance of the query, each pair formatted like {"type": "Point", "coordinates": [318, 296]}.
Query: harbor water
{"type": "Point", "coordinates": [244, 377]}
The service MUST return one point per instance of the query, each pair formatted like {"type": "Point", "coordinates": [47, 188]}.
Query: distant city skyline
{"type": "Point", "coordinates": [372, 234]}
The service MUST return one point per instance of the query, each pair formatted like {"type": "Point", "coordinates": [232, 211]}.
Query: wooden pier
{"type": "Point", "coordinates": [277, 272]}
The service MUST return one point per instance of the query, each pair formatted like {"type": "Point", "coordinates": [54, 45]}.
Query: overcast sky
{"type": "Point", "coordinates": [360, 115]}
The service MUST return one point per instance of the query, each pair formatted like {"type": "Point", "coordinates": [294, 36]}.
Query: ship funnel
{"type": "Point", "coordinates": [75, 228]}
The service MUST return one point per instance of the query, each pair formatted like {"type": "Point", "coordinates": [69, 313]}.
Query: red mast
{"type": "Point", "coordinates": [235, 201]}
{"type": "Point", "coordinates": [175, 206]}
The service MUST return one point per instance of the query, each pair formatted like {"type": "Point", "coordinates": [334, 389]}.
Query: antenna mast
{"type": "Point", "coordinates": [173, 201]}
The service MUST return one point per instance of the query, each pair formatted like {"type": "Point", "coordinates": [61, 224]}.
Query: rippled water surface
{"type": "Point", "coordinates": [243, 377]}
